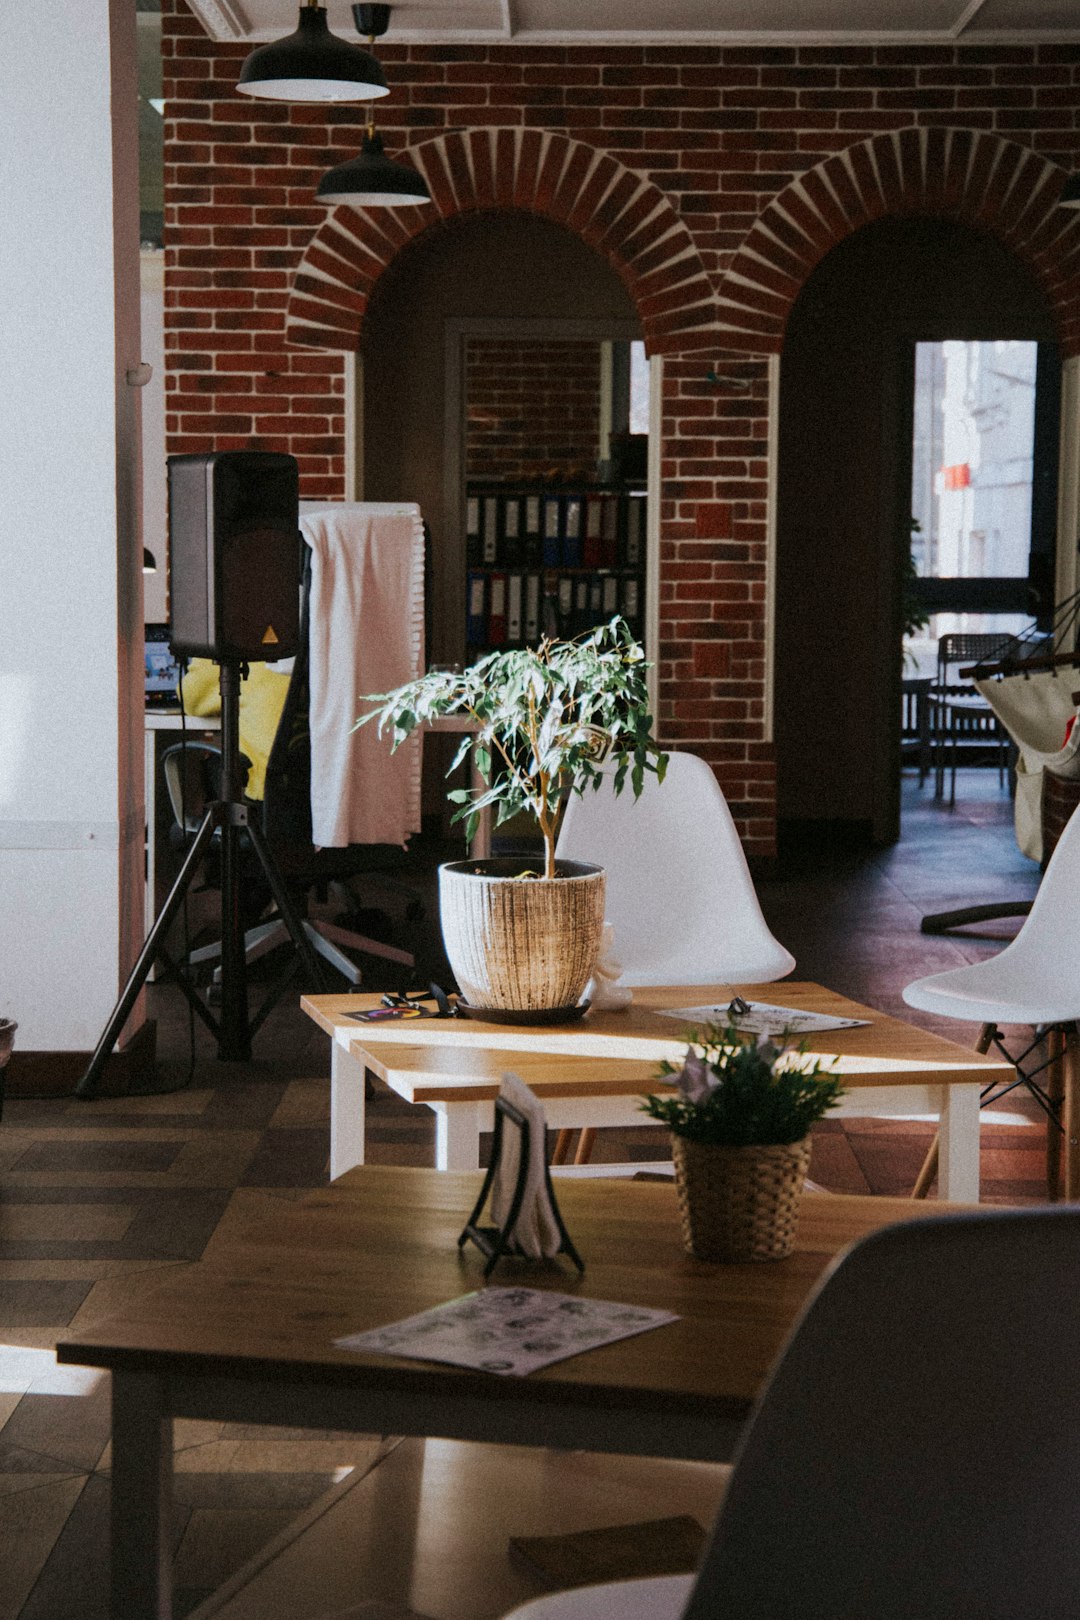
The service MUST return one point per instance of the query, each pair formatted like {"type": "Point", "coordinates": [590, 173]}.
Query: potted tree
{"type": "Point", "coordinates": [547, 720]}
{"type": "Point", "coordinates": [740, 1118]}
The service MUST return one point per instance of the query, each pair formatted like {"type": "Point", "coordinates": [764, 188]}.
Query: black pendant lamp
{"type": "Point", "coordinates": [312, 65]}
{"type": "Point", "coordinates": [372, 180]}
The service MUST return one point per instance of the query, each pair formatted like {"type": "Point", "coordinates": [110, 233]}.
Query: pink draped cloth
{"type": "Point", "coordinates": [366, 635]}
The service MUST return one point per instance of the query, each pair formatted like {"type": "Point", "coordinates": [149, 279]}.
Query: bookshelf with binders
{"type": "Point", "coordinates": [544, 560]}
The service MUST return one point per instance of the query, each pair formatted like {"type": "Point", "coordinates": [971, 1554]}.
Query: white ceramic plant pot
{"type": "Point", "coordinates": [523, 944]}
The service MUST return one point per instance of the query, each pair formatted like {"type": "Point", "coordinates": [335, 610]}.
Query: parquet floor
{"type": "Point", "coordinates": [96, 1191]}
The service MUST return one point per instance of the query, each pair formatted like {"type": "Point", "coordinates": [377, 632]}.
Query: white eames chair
{"type": "Point", "coordinates": [1036, 981]}
{"type": "Point", "coordinates": [905, 1462]}
{"type": "Point", "coordinates": [678, 893]}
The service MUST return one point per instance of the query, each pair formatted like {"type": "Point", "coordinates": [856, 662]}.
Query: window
{"type": "Point", "coordinates": [971, 495]}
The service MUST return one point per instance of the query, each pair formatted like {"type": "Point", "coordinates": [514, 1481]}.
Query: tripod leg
{"type": "Point", "coordinates": [234, 1032]}
{"type": "Point", "coordinates": [288, 911]}
{"type": "Point", "coordinates": [87, 1086]}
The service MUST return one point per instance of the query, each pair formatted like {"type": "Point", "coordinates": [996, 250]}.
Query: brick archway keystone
{"type": "Point", "coordinates": [623, 216]}
{"type": "Point", "coordinates": [962, 174]}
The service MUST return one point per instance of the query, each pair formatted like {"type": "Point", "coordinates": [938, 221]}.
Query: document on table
{"type": "Point", "coordinates": [762, 1018]}
{"type": "Point", "coordinates": [508, 1330]}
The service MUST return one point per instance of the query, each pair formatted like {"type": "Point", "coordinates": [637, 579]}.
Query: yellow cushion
{"type": "Point", "coordinates": [262, 698]}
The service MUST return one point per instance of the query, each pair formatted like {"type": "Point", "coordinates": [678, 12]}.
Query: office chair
{"type": "Point", "coordinates": [904, 1459]}
{"type": "Point", "coordinates": [190, 776]}
{"type": "Point", "coordinates": [1035, 980]}
{"type": "Point", "coordinates": [678, 891]}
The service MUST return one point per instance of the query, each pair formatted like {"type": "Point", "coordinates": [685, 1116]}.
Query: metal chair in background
{"type": "Point", "coordinates": [961, 720]}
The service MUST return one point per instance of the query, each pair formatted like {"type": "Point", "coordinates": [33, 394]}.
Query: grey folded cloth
{"type": "Point", "coordinates": [536, 1230]}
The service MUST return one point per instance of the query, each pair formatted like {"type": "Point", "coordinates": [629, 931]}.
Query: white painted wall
{"type": "Point", "coordinates": [71, 815]}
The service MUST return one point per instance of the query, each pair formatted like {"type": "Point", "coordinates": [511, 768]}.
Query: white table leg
{"type": "Point", "coordinates": [457, 1134]}
{"type": "Point", "coordinates": [142, 1462]}
{"type": "Point", "coordinates": [346, 1110]}
{"type": "Point", "coordinates": [958, 1165]}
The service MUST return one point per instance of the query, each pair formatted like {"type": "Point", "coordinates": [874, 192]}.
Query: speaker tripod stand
{"type": "Point", "coordinates": [229, 814]}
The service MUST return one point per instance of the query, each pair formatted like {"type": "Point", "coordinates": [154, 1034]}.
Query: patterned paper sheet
{"type": "Point", "coordinates": [763, 1018]}
{"type": "Point", "coordinates": [508, 1330]}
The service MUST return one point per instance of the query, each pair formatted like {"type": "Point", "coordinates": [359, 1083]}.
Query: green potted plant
{"type": "Point", "coordinates": [548, 720]}
{"type": "Point", "coordinates": [740, 1118]}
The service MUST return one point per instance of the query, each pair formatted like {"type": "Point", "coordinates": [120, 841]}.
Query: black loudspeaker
{"type": "Point", "coordinates": [234, 555]}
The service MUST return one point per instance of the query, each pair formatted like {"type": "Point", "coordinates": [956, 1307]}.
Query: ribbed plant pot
{"type": "Point", "coordinates": [739, 1203]}
{"type": "Point", "coordinates": [522, 944]}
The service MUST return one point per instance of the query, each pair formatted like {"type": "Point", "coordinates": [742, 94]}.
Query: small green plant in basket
{"type": "Point", "coordinates": [737, 1094]}
{"type": "Point", "coordinates": [740, 1118]}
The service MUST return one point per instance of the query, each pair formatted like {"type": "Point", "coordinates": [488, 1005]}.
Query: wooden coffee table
{"type": "Point", "coordinates": [247, 1335]}
{"type": "Point", "coordinates": [593, 1073]}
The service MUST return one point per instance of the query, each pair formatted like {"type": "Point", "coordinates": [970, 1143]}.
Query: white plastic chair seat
{"type": "Point", "coordinates": [663, 1597]}
{"type": "Point", "coordinates": [679, 892]}
{"type": "Point", "coordinates": [1036, 979]}
{"type": "Point", "coordinates": [1011, 995]}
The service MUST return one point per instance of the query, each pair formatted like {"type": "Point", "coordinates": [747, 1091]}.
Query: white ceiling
{"type": "Point", "coordinates": [670, 22]}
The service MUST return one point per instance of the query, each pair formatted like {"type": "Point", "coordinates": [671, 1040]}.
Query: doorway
{"type": "Point", "coordinates": [500, 278]}
{"type": "Point", "coordinates": [844, 499]}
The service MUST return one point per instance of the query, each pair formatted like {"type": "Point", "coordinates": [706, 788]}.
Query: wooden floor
{"type": "Point", "coordinates": [100, 1189]}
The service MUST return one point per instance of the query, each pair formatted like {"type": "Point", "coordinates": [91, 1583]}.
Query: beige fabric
{"type": "Point", "coordinates": [1035, 710]}
{"type": "Point", "coordinates": [366, 635]}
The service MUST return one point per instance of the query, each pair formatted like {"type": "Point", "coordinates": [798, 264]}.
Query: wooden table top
{"type": "Point", "coordinates": [283, 1277]}
{"type": "Point", "coordinates": [618, 1053]}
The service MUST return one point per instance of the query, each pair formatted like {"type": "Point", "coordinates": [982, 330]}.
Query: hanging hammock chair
{"type": "Point", "coordinates": [1033, 686]}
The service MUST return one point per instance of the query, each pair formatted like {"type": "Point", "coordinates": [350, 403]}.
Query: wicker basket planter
{"type": "Point", "coordinates": [521, 944]}
{"type": "Point", "coordinates": [739, 1203]}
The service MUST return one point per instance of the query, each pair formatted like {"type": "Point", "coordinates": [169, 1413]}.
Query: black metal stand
{"type": "Point", "coordinates": [234, 1028]}
{"type": "Point", "coordinates": [942, 922]}
{"type": "Point", "coordinates": [494, 1241]}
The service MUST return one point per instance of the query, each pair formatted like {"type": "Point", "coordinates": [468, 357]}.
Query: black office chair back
{"type": "Point", "coordinates": [916, 1454]}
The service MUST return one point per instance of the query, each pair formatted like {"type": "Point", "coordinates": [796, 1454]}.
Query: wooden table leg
{"type": "Point", "coordinates": [142, 1463]}
{"type": "Point", "coordinates": [929, 1169]}
{"type": "Point", "coordinates": [585, 1145]}
{"type": "Point", "coordinates": [1071, 1114]}
{"type": "Point", "coordinates": [561, 1151]}
{"type": "Point", "coordinates": [1055, 1087]}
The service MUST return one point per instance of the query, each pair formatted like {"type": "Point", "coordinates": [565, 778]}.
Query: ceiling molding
{"type": "Point", "coordinates": [231, 21]}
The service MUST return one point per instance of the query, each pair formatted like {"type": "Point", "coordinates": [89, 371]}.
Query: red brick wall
{"type": "Point", "coordinates": [711, 179]}
{"type": "Point", "coordinates": [532, 408]}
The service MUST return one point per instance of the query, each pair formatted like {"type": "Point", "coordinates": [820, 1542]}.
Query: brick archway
{"type": "Point", "coordinates": [623, 216]}
{"type": "Point", "coordinates": [964, 174]}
